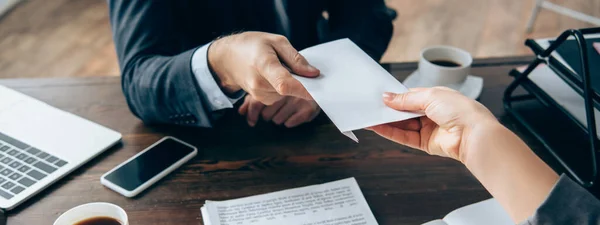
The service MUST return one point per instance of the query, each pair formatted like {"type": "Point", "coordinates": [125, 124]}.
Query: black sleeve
{"type": "Point", "coordinates": [365, 22]}
{"type": "Point", "coordinates": [567, 203]}
{"type": "Point", "coordinates": [157, 78]}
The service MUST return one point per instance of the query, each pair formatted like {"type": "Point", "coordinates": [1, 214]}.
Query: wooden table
{"type": "Point", "coordinates": [401, 185]}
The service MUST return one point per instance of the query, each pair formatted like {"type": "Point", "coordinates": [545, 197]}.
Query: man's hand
{"type": "Point", "coordinates": [290, 111]}
{"type": "Point", "coordinates": [254, 62]}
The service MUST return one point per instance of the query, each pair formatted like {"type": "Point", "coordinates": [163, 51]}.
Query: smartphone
{"type": "Point", "coordinates": [147, 167]}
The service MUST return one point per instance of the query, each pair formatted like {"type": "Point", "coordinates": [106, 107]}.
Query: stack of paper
{"type": "Point", "coordinates": [335, 203]}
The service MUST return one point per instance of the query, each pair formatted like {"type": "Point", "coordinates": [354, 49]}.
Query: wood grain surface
{"type": "Point", "coordinates": [58, 38]}
{"type": "Point", "coordinates": [401, 185]}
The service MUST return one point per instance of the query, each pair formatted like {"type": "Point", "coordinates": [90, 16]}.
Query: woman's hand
{"type": "Point", "coordinates": [458, 127]}
{"type": "Point", "coordinates": [450, 120]}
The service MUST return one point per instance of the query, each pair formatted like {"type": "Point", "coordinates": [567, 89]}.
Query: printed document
{"type": "Point", "coordinates": [335, 203]}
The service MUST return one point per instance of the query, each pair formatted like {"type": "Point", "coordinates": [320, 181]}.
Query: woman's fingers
{"type": "Point", "coordinates": [411, 124]}
{"type": "Point", "coordinates": [408, 101]}
{"type": "Point", "coordinates": [416, 99]}
{"type": "Point", "coordinates": [406, 137]}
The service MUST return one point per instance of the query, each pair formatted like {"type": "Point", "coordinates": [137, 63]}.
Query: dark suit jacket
{"type": "Point", "coordinates": [155, 40]}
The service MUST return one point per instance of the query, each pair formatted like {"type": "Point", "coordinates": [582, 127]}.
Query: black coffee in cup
{"type": "Point", "coordinates": [101, 220]}
{"type": "Point", "coordinates": [446, 63]}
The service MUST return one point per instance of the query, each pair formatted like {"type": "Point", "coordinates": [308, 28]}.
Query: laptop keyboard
{"type": "Point", "coordinates": [22, 166]}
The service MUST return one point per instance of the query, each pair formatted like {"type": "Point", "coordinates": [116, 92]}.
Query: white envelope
{"type": "Point", "coordinates": [350, 87]}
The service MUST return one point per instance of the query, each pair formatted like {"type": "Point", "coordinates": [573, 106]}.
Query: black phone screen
{"type": "Point", "coordinates": [147, 165]}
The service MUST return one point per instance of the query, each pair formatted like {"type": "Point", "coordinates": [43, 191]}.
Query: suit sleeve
{"type": "Point", "coordinates": [157, 77]}
{"type": "Point", "coordinates": [365, 22]}
{"type": "Point", "coordinates": [567, 203]}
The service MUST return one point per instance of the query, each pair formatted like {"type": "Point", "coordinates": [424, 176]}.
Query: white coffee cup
{"type": "Point", "coordinates": [436, 75]}
{"type": "Point", "coordinates": [91, 210]}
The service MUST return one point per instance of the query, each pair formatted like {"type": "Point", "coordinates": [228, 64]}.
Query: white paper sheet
{"type": "Point", "coordinates": [334, 203]}
{"type": "Point", "coordinates": [350, 87]}
{"type": "Point", "coordinates": [488, 212]}
{"type": "Point", "coordinates": [435, 222]}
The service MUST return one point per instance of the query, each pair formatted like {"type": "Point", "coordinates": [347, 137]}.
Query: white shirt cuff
{"type": "Point", "coordinates": [217, 100]}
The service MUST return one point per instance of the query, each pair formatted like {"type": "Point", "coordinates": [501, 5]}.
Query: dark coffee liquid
{"type": "Point", "coordinates": [446, 63]}
{"type": "Point", "coordinates": [101, 220]}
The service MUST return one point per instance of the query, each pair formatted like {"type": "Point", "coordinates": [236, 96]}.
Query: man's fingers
{"type": "Point", "coordinates": [292, 58]}
{"type": "Point", "coordinates": [300, 117]}
{"type": "Point", "coordinates": [282, 81]}
{"type": "Point", "coordinates": [269, 111]}
{"type": "Point", "coordinates": [254, 110]}
{"type": "Point", "coordinates": [406, 137]}
{"type": "Point", "coordinates": [244, 107]}
{"type": "Point", "coordinates": [284, 113]}
{"type": "Point", "coordinates": [260, 89]}
{"type": "Point", "coordinates": [296, 119]}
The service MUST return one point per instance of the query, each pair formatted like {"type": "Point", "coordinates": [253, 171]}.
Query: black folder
{"type": "Point", "coordinates": [574, 144]}
{"type": "Point", "coordinates": [569, 52]}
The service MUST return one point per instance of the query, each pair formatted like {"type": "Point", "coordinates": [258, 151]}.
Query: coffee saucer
{"type": "Point", "coordinates": [471, 87]}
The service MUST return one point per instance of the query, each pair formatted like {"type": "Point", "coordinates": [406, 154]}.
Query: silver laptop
{"type": "Point", "coordinates": [39, 144]}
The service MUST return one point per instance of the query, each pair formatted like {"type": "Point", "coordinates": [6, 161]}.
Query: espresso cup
{"type": "Point", "coordinates": [92, 210]}
{"type": "Point", "coordinates": [444, 66]}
